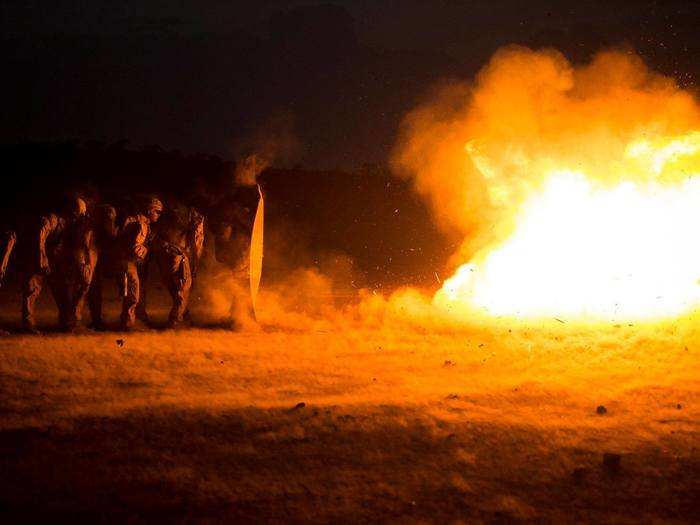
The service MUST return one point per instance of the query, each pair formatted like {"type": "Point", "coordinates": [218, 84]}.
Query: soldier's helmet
{"type": "Point", "coordinates": [154, 204]}
{"type": "Point", "coordinates": [147, 203]}
{"type": "Point", "coordinates": [74, 207]}
{"type": "Point", "coordinates": [152, 208]}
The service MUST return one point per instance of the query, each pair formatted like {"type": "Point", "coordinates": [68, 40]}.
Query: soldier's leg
{"type": "Point", "coordinates": [142, 268]}
{"type": "Point", "coordinates": [60, 289]}
{"type": "Point", "coordinates": [7, 244]}
{"type": "Point", "coordinates": [95, 297]}
{"type": "Point", "coordinates": [80, 290]}
{"type": "Point", "coordinates": [179, 285]}
{"type": "Point", "coordinates": [130, 289]}
{"type": "Point", "coordinates": [242, 313]}
{"type": "Point", "coordinates": [186, 315]}
{"type": "Point", "coordinates": [31, 288]}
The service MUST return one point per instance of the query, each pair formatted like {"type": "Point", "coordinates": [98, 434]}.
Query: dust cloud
{"type": "Point", "coordinates": [384, 405]}
{"type": "Point", "coordinates": [273, 141]}
{"type": "Point", "coordinates": [476, 150]}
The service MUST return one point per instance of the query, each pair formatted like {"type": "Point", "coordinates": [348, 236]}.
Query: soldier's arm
{"type": "Point", "coordinates": [222, 242]}
{"type": "Point", "coordinates": [8, 243]}
{"type": "Point", "coordinates": [195, 240]}
{"type": "Point", "coordinates": [48, 225]}
{"type": "Point", "coordinates": [134, 235]}
{"type": "Point", "coordinates": [110, 222]}
{"type": "Point", "coordinates": [142, 237]}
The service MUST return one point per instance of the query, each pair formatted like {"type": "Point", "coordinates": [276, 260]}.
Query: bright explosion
{"type": "Point", "coordinates": [576, 188]}
{"type": "Point", "coordinates": [582, 251]}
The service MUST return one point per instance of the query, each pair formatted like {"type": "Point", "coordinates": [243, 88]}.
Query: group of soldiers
{"type": "Point", "coordinates": [73, 250]}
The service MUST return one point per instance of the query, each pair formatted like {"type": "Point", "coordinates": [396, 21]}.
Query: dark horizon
{"type": "Point", "coordinates": [333, 78]}
{"type": "Point", "coordinates": [222, 300]}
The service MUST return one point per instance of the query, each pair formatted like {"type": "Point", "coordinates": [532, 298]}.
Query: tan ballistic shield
{"type": "Point", "coordinates": [256, 251]}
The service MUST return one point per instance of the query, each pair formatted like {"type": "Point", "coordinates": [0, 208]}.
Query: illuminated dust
{"type": "Point", "coordinates": [553, 377]}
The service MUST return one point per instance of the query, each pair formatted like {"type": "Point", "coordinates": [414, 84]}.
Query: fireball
{"type": "Point", "coordinates": [579, 250]}
{"type": "Point", "coordinates": [576, 188]}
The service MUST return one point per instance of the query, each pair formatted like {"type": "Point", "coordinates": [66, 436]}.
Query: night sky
{"type": "Point", "coordinates": [332, 79]}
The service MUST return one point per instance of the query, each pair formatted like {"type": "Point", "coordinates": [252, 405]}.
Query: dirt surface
{"type": "Point", "coordinates": [393, 424]}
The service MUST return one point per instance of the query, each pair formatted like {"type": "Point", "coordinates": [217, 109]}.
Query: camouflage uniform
{"type": "Point", "coordinates": [42, 257]}
{"type": "Point", "coordinates": [179, 246]}
{"type": "Point", "coordinates": [76, 263]}
{"type": "Point", "coordinates": [132, 246]}
{"type": "Point", "coordinates": [143, 267]}
{"type": "Point", "coordinates": [232, 245]}
{"type": "Point", "coordinates": [7, 245]}
{"type": "Point", "coordinates": [103, 223]}
{"type": "Point", "coordinates": [82, 244]}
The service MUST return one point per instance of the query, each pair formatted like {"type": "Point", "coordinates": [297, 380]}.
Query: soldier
{"type": "Point", "coordinates": [232, 237]}
{"type": "Point", "coordinates": [83, 243]}
{"type": "Point", "coordinates": [43, 262]}
{"type": "Point", "coordinates": [178, 249]}
{"type": "Point", "coordinates": [104, 224]}
{"type": "Point", "coordinates": [75, 262]}
{"type": "Point", "coordinates": [132, 246]}
{"type": "Point", "coordinates": [7, 245]}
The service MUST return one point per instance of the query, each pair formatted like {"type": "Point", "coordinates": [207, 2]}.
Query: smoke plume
{"type": "Point", "coordinates": [272, 141]}
{"type": "Point", "coordinates": [476, 150]}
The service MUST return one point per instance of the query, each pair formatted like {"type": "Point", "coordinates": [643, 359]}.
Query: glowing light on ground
{"type": "Point", "coordinates": [575, 187]}
{"type": "Point", "coordinates": [585, 250]}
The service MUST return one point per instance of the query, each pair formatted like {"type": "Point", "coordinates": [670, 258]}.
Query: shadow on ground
{"type": "Point", "coordinates": [333, 464]}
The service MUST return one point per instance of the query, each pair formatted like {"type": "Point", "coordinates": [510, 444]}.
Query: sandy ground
{"type": "Point", "coordinates": [346, 424]}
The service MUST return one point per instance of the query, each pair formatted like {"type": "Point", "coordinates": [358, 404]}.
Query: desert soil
{"type": "Point", "coordinates": [344, 424]}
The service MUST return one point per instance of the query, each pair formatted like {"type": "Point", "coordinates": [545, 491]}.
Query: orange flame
{"type": "Point", "coordinates": [575, 187]}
